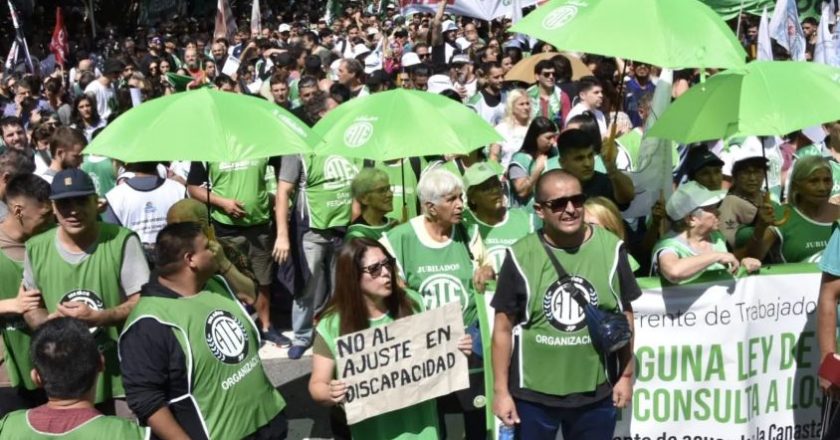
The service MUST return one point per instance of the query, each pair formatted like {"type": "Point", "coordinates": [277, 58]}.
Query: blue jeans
{"type": "Point", "coordinates": [319, 253]}
{"type": "Point", "coordinates": [592, 422]}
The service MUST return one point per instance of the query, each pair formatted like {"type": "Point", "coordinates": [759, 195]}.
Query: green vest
{"type": "Point", "coordinates": [499, 237]}
{"type": "Point", "coordinates": [15, 426]}
{"type": "Point", "coordinates": [554, 338]}
{"type": "Point", "coordinates": [327, 190]}
{"type": "Point", "coordinates": [802, 239]}
{"type": "Point", "coordinates": [227, 380]}
{"type": "Point", "coordinates": [95, 281]}
{"type": "Point", "coordinates": [244, 181]}
{"type": "Point", "coordinates": [357, 230]}
{"type": "Point", "coordinates": [402, 180]}
{"type": "Point", "coordinates": [555, 103]}
{"type": "Point", "coordinates": [682, 250]}
{"type": "Point", "coordinates": [101, 172]}
{"type": "Point", "coordinates": [441, 272]}
{"type": "Point", "coordinates": [417, 422]}
{"type": "Point", "coordinates": [16, 334]}
{"type": "Point", "coordinates": [525, 161]}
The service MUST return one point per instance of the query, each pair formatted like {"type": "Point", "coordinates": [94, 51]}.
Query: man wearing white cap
{"type": "Point", "coordinates": [747, 168]}
{"type": "Point", "coordinates": [444, 35]}
{"type": "Point", "coordinates": [698, 246]}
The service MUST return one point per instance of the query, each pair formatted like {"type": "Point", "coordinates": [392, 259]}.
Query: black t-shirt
{"type": "Point", "coordinates": [600, 185]}
{"type": "Point", "coordinates": [511, 297]}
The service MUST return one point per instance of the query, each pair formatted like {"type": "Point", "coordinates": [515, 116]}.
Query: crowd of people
{"type": "Point", "coordinates": [128, 289]}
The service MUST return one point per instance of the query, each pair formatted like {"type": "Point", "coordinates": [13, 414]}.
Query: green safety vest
{"type": "Point", "coordinates": [327, 191]}
{"type": "Point", "coordinates": [802, 239]}
{"type": "Point", "coordinates": [95, 282]}
{"type": "Point", "coordinates": [357, 230]}
{"type": "Point", "coordinates": [244, 181]}
{"type": "Point", "coordinates": [682, 250]}
{"type": "Point", "coordinates": [15, 426]}
{"type": "Point", "coordinates": [416, 422]}
{"type": "Point", "coordinates": [499, 237]}
{"type": "Point", "coordinates": [396, 176]}
{"type": "Point", "coordinates": [16, 334]}
{"type": "Point", "coordinates": [101, 172]}
{"type": "Point", "coordinates": [442, 273]}
{"type": "Point", "coordinates": [554, 338]}
{"type": "Point", "coordinates": [227, 380]}
{"type": "Point", "coordinates": [525, 161]}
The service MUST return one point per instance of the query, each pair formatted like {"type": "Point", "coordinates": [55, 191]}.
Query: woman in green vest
{"type": "Point", "coordinates": [439, 258]}
{"type": "Point", "coordinates": [537, 155]}
{"type": "Point", "coordinates": [698, 246]}
{"type": "Point", "coordinates": [371, 188]}
{"type": "Point", "coordinates": [810, 216]}
{"type": "Point", "coordinates": [370, 297]}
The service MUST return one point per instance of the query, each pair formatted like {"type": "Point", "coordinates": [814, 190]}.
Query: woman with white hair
{"type": "Point", "coordinates": [513, 127]}
{"type": "Point", "coordinates": [438, 258]}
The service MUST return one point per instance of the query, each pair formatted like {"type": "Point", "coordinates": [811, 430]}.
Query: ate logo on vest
{"type": "Point", "coordinates": [226, 337]}
{"type": "Point", "coordinates": [562, 311]}
{"type": "Point", "coordinates": [496, 255]}
{"type": "Point", "coordinates": [86, 297]}
{"type": "Point", "coordinates": [339, 172]}
{"type": "Point", "coordinates": [442, 289]}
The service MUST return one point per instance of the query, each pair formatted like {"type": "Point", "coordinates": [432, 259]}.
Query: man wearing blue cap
{"type": "Point", "coordinates": [88, 270]}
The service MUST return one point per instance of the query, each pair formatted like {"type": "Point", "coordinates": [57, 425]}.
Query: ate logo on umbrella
{"type": "Point", "coordinates": [358, 133]}
{"type": "Point", "coordinates": [562, 15]}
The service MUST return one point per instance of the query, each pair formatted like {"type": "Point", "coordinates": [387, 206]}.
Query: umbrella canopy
{"type": "Point", "coordinates": [524, 70]}
{"type": "Point", "coordinates": [765, 98]}
{"type": "Point", "coordinates": [402, 123]}
{"type": "Point", "coordinates": [203, 125]}
{"type": "Point", "coordinates": [666, 33]}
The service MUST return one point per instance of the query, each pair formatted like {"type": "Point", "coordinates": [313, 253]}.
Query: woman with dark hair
{"type": "Point", "coordinates": [368, 296]}
{"type": "Point", "coordinates": [85, 117]}
{"type": "Point", "coordinates": [510, 57]}
{"type": "Point", "coordinates": [537, 155]}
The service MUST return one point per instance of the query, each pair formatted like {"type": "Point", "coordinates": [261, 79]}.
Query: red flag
{"type": "Point", "coordinates": [225, 21]}
{"type": "Point", "coordinates": [58, 45]}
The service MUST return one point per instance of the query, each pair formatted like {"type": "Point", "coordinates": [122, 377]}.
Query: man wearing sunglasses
{"type": "Point", "coordinates": [552, 333]}
{"type": "Point", "coordinates": [547, 99]}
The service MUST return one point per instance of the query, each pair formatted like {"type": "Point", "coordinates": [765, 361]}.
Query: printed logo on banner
{"type": "Point", "coordinates": [562, 15]}
{"type": "Point", "coordinates": [226, 337]}
{"type": "Point", "coordinates": [441, 289]}
{"type": "Point", "coordinates": [87, 297]}
{"type": "Point", "coordinates": [563, 312]}
{"type": "Point", "coordinates": [357, 134]}
{"type": "Point", "coordinates": [339, 172]}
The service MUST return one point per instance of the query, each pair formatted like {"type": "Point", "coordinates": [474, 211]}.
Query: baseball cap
{"type": "Point", "coordinates": [463, 43]}
{"type": "Point", "coordinates": [480, 172]}
{"type": "Point", "coordinates": [699, 157]}
{"type": "Point", "coordinates": [690, 196]}
{"type": "Point", "coordinates": [71, 183]}
{"type": "Point", "coordinates": [284, 27]}
{"type": "Point", "coordinates": [372, 31]}
{"type": "Point", "coordinates": [410, 59]}
{"type": "Point", "coordinates": [741, 151]}
{"type": "Point", "coordinates": [461, 59]}
{"type": "Point", "coordinates": [113, 65]}
{"type": "Point", "coordinates": [448, 25]}
{"type": "Point", "coordinates": [360, 49]}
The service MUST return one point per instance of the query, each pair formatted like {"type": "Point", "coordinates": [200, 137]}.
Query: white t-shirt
{"type": "Point", "coordinates": [513, 135]}
{"type": "Point", "coordinates": [103, 96]}
{"type": "Point", "coordinates": [599, 116]}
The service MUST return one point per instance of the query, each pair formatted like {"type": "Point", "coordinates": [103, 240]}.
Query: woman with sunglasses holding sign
{"type": "Point", "coordinates": [375, 299]}
{"type": "Point", "coordinates": [439, 258]}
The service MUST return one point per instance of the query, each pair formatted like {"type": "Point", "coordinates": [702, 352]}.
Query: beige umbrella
{"type": "Point", "coordinates": [524, 70]}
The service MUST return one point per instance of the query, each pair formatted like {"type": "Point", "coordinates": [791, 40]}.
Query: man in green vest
{"type": "Point", "coordinates": [67, 362]}
{"type": "Point", "coordinates": [190, 351]}
{"type": "Point", "coordinates": [241, 216]}
{"type": "Point", "coordinates": [88, 270]}
{"type": "Point", "coordinates": [551, 331]}
{"type": "Point", "coordinates": [28, 197]}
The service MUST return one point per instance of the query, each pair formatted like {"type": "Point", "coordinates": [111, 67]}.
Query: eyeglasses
{"type": "Point", "coordinates": [423, 55]}
{"type": "Point", "coordinates": [560, 203]}
{"type": "Point", "coordinates": [547, 74]}
{"type": "Point", "coordinates": [375, 269]}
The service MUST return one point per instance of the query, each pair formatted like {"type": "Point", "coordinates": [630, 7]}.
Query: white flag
{"type": "Point", "coordinates": [256, 18]}
{"type": "Point", "coordinates": [786, 29]}
{"type": "Point", "coordinates": [765, 46]}
{"type": "Point", "coordinates": [827, 49]}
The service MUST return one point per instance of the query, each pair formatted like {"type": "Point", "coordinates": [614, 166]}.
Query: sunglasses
{"type": "Point", "coordinates": [375, 269]}
{"type": "Point", "coordinates": [559, 204]}
{"type": "Point", "coordinates": [423, 55]}
{"type": "Point", "coordinates": [548, 74]}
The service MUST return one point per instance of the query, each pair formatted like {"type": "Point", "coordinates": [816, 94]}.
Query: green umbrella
{"type": "Point", "coordinates": [667, 33]}
{"type": "Point", "coordinates": [402, 123]}
{"type": "Point", "coordinates": [203, 125]}
{"type": "Point", "coordinates": [764, 98]}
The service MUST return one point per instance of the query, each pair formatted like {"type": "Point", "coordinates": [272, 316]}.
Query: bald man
{"type": "Point", "coordinates": [583, 402]}
{"type": "Point", "coordinates": [236, 269]}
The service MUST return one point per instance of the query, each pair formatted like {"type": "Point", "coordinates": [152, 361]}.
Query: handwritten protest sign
{"type": "Point", "coordinates": [409, 361]}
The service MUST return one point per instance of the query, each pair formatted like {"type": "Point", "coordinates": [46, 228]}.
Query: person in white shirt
{"type": "Point", "coordinates": [590, 97]}
{"type": "Point", "coordinates": [103, 88]}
